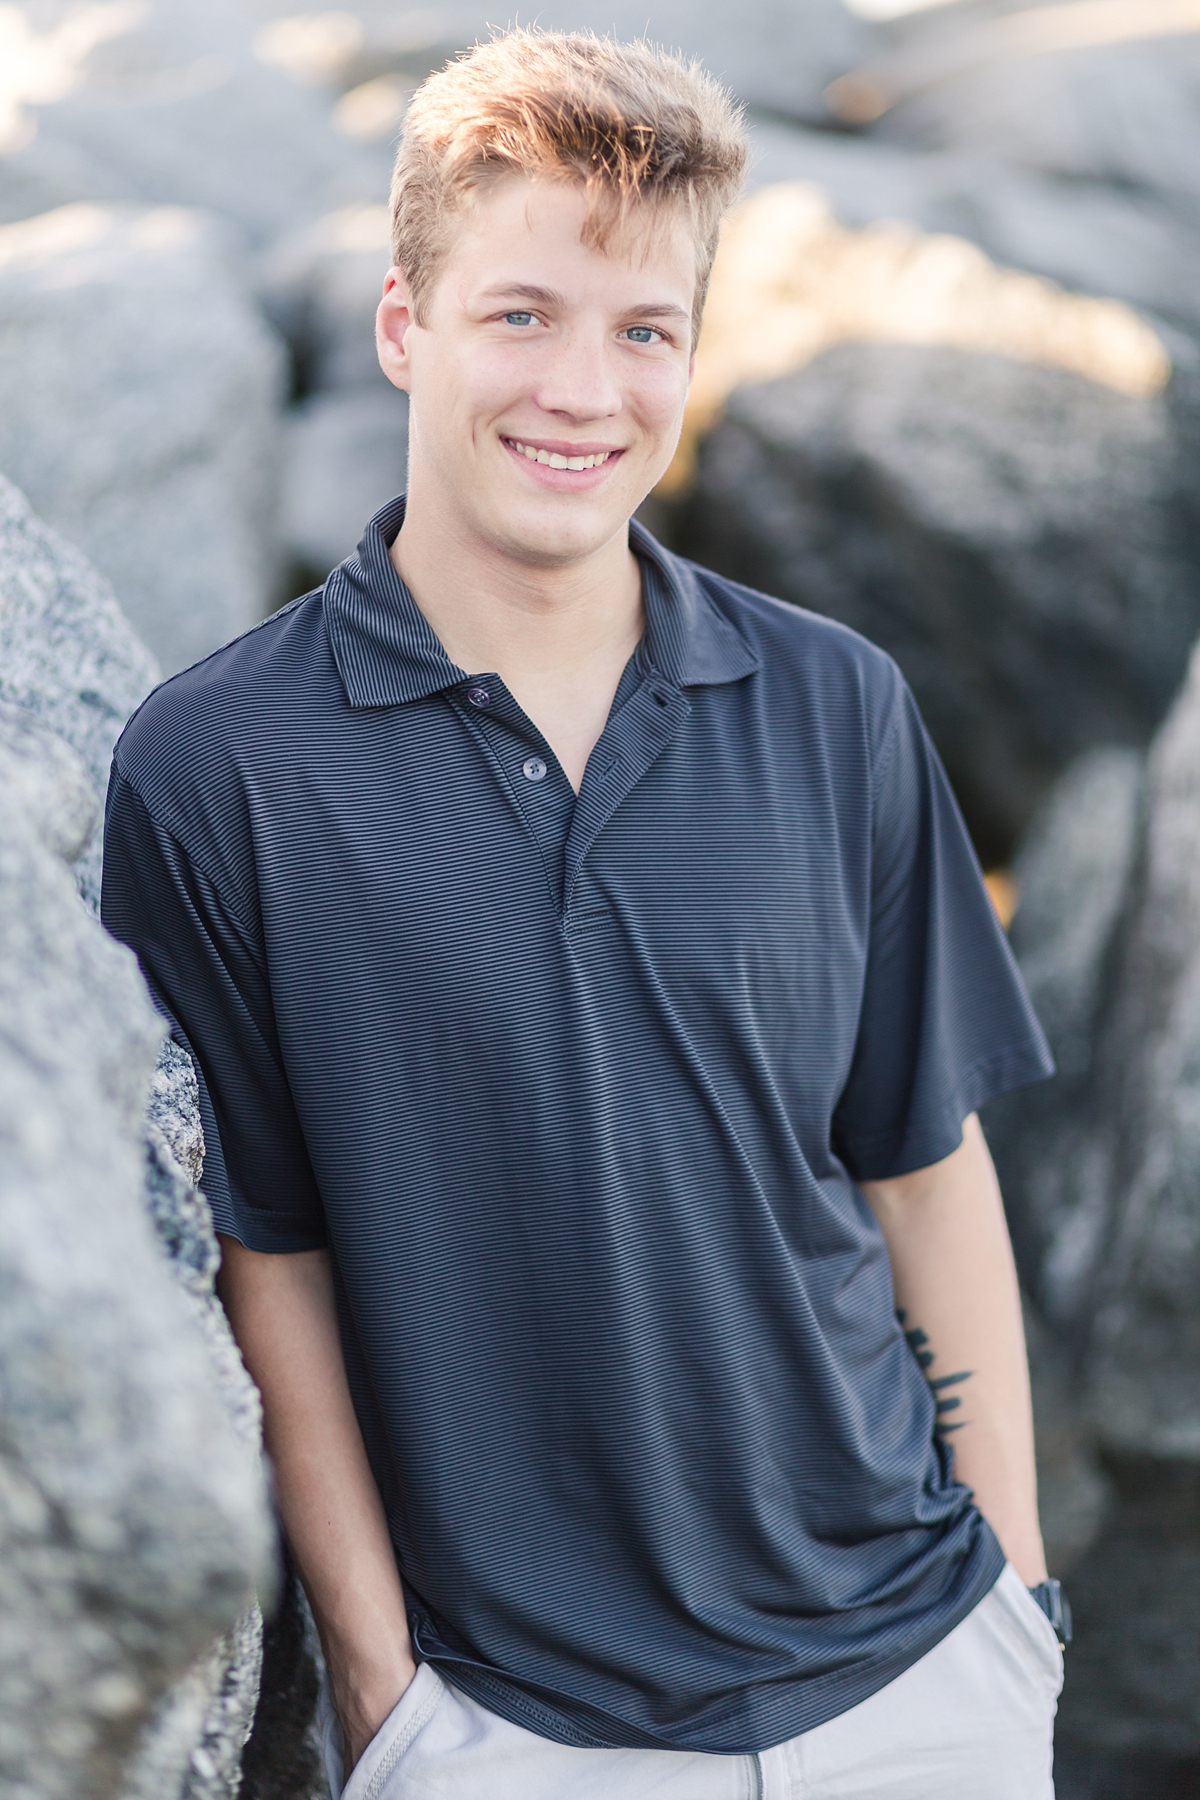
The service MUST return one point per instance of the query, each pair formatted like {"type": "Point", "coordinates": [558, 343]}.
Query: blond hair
{"type": "Point", "coordinates": [635, 127]}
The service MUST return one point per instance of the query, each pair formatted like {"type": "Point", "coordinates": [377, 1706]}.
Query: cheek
{"type": "Point", "coordinates": [660, 393]}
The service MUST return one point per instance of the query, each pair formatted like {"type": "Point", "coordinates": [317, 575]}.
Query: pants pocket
{"type": "Point", "coordinates": [1031, 1628]}
{"type": "Point", "coordinates": [370, 1774]}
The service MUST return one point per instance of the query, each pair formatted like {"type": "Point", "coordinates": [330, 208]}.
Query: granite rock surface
{"type": "Point", "coordinates": [132, 1519]}
{"type": "Point", "coordinates": [1101, 1174]}
{"type": "Point", "coordinates": [1011, 533]}
{"type": "Point", "coordinates": [139, 398]}
{"type": "Point", "coordinates": [85, 1067]}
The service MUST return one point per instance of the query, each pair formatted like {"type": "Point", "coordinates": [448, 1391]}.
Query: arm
{"type": "Point", "coordinates": [282, 1312]}
{"type": "Point", "coordinates": [957, 1297]}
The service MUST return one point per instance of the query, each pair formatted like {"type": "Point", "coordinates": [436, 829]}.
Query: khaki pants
{"type": "Point", "coordinates": [973, 1720]}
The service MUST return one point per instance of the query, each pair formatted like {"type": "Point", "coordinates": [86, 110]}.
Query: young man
{"type": "Point", "coordinates": [592, 988]}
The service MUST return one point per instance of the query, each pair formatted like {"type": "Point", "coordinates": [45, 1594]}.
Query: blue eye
{"type": "Point", "coordinates": [642, 334]}
{"type": "Point", "coordinates": [518, 318]}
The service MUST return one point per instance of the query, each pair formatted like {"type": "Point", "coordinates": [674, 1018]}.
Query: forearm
{"type": "Point", "coordinates": [956, 1290]}
{"type": "Point", "coordinates": [283, 1315]}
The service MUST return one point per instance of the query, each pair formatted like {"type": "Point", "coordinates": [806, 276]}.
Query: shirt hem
{"type": "Point", "coordinates": [794, 1713]}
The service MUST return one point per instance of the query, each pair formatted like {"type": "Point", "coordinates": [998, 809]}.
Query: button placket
{"type": "Point", "coordinates": [639, 734]}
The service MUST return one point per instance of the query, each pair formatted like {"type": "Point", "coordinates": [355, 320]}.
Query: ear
{"type": "Point", "coordinates": [393, 322]}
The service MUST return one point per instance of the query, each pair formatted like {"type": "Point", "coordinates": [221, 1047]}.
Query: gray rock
{"type": "Point", "coordinates": [774, 54]}
{"type": "Point", "coordinates": [283, 1759]}
{"type": "Point", "coordinates": [321, 288]}
{"type": "Point", "coordinates": [71, 670]}
{"type": "Point", "coordinates": [345, 443]}
{"type": "Point", "coordinates": [1011, 533]}
{"type": "Point", "coordinates": [1122, 111]}
{"type": "Point", "coordinates": [151, 435]}
{"type": "Point", "coordinates": [346, 455]}
{"type": "Point", "coordinates": [1144, 1354]}
{"type": "Point", "coordinates": [132, 1520]}
{"type": "Point", "coordinates": [68, 655]}
{"type": "Point", "coordinates": [1101, 1174]}
{"type": "Point", "coordinates": [173, 102]}
{"type": "Point", "coordinates": [1073, 875]}
{"type": "Point", "coordinates": [1092, 236]}
{"type": "Point", "coordinates": [1131, 1688]}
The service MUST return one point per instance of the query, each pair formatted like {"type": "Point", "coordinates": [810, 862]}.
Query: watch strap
{"type": "Point", "coordinates": [1057, 1608]}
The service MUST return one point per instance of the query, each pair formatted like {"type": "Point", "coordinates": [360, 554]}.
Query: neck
{"type": "Point", "coordinates": [493, 611]}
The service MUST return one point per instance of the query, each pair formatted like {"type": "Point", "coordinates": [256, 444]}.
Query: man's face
{"type": "Point", "coordinates": [538, 354]}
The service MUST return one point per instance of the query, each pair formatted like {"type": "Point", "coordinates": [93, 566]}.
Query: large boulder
{"type": "Point", "coordinates": [346, 441]}
{"type": "Point", "coordinates": [176, 102]}
{"type": "Point", "coordinates": [139, 397]}
{"type": "Point", "coordinates": [1073, 137]}
{"type": "Point", "coordinates": [1101, 1175]}
{"type": "Point", "coordinates": [71, 671]}
{"type": "Point", "coordinates": [132, 1519]}
{"type": "Point", "coordinates": [68, 656]}
{"type": "Point", "coordinates": [1010, 532]}
{"type": "Point", "coordinates": [1108, 93]}
{"type": "Point", "coordinates": [1093, 236]}
{"type": "Point", "coordinates": [1102, 1171]}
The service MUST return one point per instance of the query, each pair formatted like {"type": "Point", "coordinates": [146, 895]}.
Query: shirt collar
{"type": "Point", "coordinates": [387, 653]}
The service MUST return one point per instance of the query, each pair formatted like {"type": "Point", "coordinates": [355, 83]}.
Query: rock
{"type": "Point", "coordinates": [1101, 1171]}
{"type": "Point", "coordinates": [175, 102]}
{"type": "Point", "coordinates": [1011, 533]}
{"type": "Point", "coordinates": [776, 56]}
{"type": "Point", "coordinates": [809, 283]}
{"type": "Point", "coordinates": [321, 289]}
{"type": "Point", "coordinates": [1096, 97]}
{"type": "Point", "coordinates": [1075, 137]}
{"type": "Point", "coordinates": [132, 1520]}
{"type": "Point", "coordinates": [149, 432]}
{"type": "Point", "coordinates": [773, 54]}
{"type": "Point", "coordinates": [1144, 1352]}
{"type": "Point", "coordinates": [283, 1758]}
{"type": "Point", "coordinates": [1091, 236]}
{"type": "Point", "coordinates": [346, 456]}
{"type": "Point", "coordinates": [1074, 1496]}
{"type": "Point", "coordinates": [1101, 1174]}
{"type": "Point", "coordinates": [346, 442]}
{"type": "Point", "coordinates": [75, 670]}
{"type": "Point", "coordinates": [1131, 1689]}
{"type": "Point", "coordinates": [1073, 874]}
{"type": "Point", "coordinates": [68, 655]}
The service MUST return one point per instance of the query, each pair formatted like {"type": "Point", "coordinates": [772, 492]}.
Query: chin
{"type": "Point", "coordinates": [551, 537]}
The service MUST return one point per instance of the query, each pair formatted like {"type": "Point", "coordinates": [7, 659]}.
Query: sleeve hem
{"type": "Point", "coordinates": [916, 1144]}
{"type": "Point", "coordinates": [256, 1234]}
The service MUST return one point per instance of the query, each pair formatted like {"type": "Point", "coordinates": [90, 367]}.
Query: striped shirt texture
{"type": "Point", "coordinates": [577, 1091]}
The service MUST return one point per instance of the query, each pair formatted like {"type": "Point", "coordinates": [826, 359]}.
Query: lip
{"type": "Point", "coordinates": [568, 481]}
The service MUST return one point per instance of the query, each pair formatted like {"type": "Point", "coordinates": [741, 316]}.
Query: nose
{"type": "Point", "coordinates": [577, 379]}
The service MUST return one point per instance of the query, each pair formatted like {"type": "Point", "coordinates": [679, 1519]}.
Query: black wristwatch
{"type": "Point", "coordinates": [1057, 1608]}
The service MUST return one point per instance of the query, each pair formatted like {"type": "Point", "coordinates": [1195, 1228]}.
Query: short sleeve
{"type": "Point", "coordinates": [206, 971]}
{"type": "Point", "coordinates": [945, 1023]}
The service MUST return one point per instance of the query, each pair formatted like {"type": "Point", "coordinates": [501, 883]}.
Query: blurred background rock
{"type": "Point", "coordinates": [948, 391]}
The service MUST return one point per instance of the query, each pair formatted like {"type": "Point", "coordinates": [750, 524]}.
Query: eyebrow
{"type": "Point", "coordinates": [653, 309]}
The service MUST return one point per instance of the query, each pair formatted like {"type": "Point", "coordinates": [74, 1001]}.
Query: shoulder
{"type": "Point", "coordinates": [839, 680]}
{"type": "Point", "coordinates": [201, 730]}
{"type": "Point", "coordinates": [221, 743]}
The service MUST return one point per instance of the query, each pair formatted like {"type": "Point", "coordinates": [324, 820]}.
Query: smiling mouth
{"type": "Point", "coordinates": [553, 459]}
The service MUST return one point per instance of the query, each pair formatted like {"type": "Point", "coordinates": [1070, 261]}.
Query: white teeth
{"type": "Point", "coordinates": [551, 458]}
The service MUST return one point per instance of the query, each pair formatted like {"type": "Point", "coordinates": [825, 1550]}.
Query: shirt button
{"type": "Point", "coordinates": [479, 696]}
{"type": "Point", "coordinates": [533, 769]}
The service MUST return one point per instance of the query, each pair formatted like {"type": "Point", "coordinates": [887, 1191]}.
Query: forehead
{"type": "Point", "coordinates": [513, 226]}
